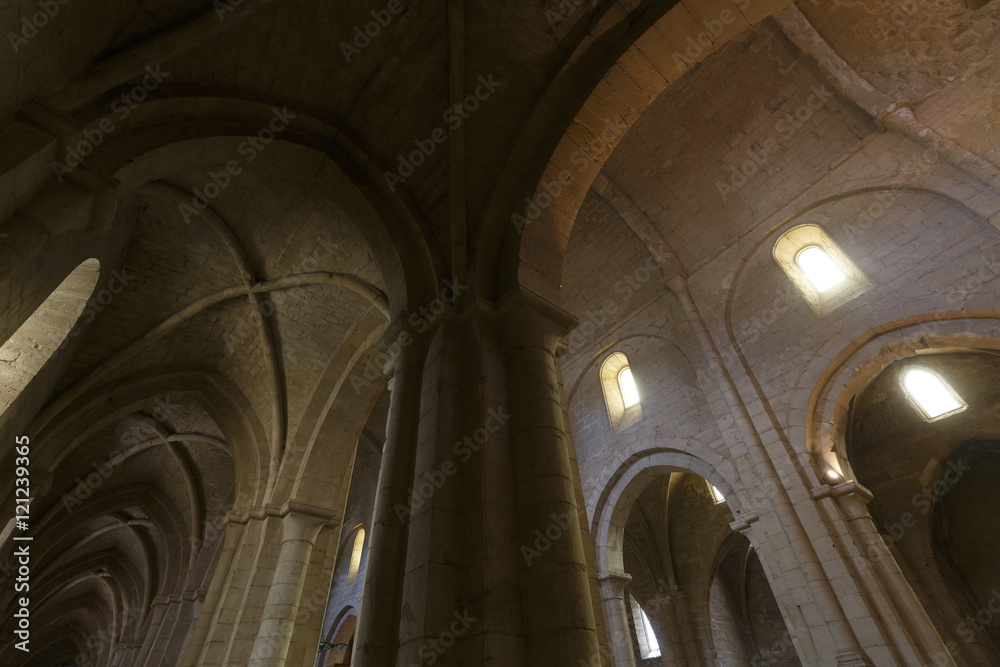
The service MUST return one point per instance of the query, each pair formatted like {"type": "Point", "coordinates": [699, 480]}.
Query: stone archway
{"type": "Point", "coordinates": [831, 407]}
{"type": "Point", "coordinates": [341, 633]}
{"type": "Point", "coordinates": [859, 363]}
{"type": "Point", "coordinates": [943, 473]}
{"type": "Point", "coordinates": [756, 627]}
{"type": "Point", "coordinates": [612, 514]}
{"type": "Point", "coordinates": [534, 221]}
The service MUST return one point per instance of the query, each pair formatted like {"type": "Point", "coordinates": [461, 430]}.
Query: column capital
{"type": "Point", "coordinates": [848, 489]}
{"type": "Point", "coordinates": [528, 319]}
{"type": "Point", "coordinates": [293, 506]}
{"type": "Point", "coordinates": [851, 496]}
{"type": "Point", "coordinates": [613, 584]}
{"type": "Point", "coordinates": [301, 521]}
{"type": "Point", "coordinates": [616, 616]}
{"type": "Point", "coordinates": [301, 527]}
{"type": "Point", "coordinates": [402, 340]}
{"type": "Point", "coordinates": [743, 524]}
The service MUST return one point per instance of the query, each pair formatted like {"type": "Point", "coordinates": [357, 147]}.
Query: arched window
{"type": "Point", "coordinates": [822, 272]}
{"type": "Point", "coordinates": [931, 395]}
{"type": "Point", "coordinates": [621, 392]}
{"type": "Point", "coordinates": [627, 385]}
{"type": "Point", "coordinates": [30, 347]}
{"type": "Point", "coordinates": [358, 549]}
{"type": "Point", "coordinates": [648, 646]}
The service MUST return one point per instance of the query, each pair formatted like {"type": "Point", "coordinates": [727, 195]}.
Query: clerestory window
{"type": "Point", "coordinates": [627, 385]}
{"type": "Point", "coordinates": [931, 395]}
{"type": "Point", "coordinates": [823, 273]}
{"type": "Point", "coordinates": [621, 392]}
{"type": "Point", "coordinates": [358, 549]}
{"type": "Point", "coordinates": [820, 269]}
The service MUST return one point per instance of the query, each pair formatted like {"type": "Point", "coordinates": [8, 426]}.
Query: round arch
{"type": "Point", "coordinates": [622, 65]}
{"type": "Point", "coordinates": [341, 632]}
{"type": "Point", "coordinates": [860, 362]}
{"type": "Point", "coordinates": [628, 481]}
{"type": "Point", "coordinates": [816, 371]}
{"type": "Point", "coordinates": [902, 546]}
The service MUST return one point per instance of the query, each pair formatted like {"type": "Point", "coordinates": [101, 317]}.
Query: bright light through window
{"type": "Point", "coordinates": [717, 495]}
{"type": "Point", "coordinates": [629, 393]}
{"type": "Point", "coordinates": [359, 547]}
{"type": "Point", "coordinates": [933, 397]}
{"type": "Point", "coordinates": [820, 269]}
{"type": "Point", "coordinates": [648, 646]}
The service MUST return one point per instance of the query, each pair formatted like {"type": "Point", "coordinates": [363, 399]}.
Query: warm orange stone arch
{"type": "Point", "coordinates": [681, 38]}
{"type": "Point", "coordinates": [869, 354]}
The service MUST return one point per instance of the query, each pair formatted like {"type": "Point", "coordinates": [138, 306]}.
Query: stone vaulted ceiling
{"type": "Point", "coordinates": [231, 358]}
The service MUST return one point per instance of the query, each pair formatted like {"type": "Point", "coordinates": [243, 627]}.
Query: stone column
{"type": "Point", "coordinates": [234, 533]}
{"type": "Point", "coordinates": [487, 565]}
{"type": "Point", "coordinates": [684, 651]}
{"type": "Point", "coordinates": [183, 628]}
{"type": "Point", "coordinates": [298, 536]}
{"type": "Point", "coordinates": [443, 622]}
{"type": "Point", "coordinates": [117, 654]}
{"type": "Point", "coordinates": [666, 610]}
{"type": "Point", "coordinates": [555, 590]}
{"type": "Point", "coordinates": [849, 651]}
{"type": "Point", "coordinates": [853, 500]}
{"type": "Point", "coordinates": [166, 630]}
{"type": "Point", "coordinates": [159, 607]}
{"type": "Point", "coordinates": [616, 618]}
{"type": "Point", "coordinates": [376, 637]}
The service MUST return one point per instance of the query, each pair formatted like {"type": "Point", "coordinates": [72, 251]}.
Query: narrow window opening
{"type": "Point", "coordinates": [621, 395]}
{"type": "Point", "coordinates": [820, 269]}
{"type": "Point", "coordinates": [932, 396]}
{"type": "Point", "coordinates": [630, 394]}
{"type": "Point", "coordinates": [359, 547]}
{"type": "Point", "coordinates": [716, 494]}
{"type": "Point", "coordinates": [824, 274]}
{"type": "Point", "coordinates": [648, 646]}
